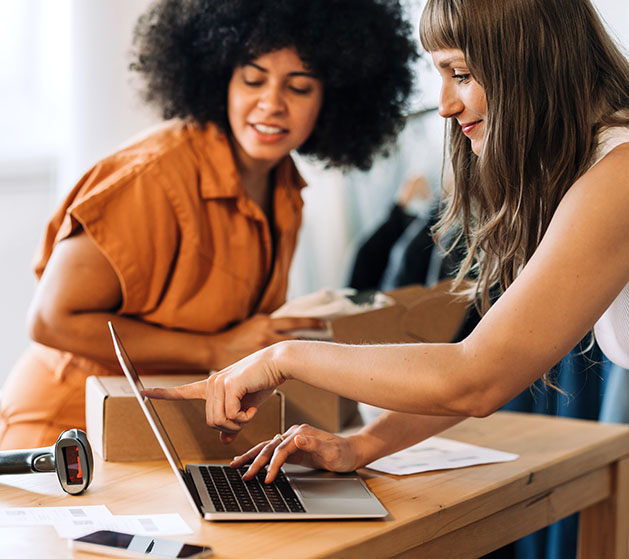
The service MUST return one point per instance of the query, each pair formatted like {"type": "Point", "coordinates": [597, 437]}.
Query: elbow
{"type": "Point", "coordinates": [480, 390]}
{"type": "Point", "coordinates": [483, 407]}
{"type": "Point", "coordinates": [477, 400]}
{"type": "Point", "coordinates": [42, 327]}
{"type": "Point", "coordinates": [37, 328]}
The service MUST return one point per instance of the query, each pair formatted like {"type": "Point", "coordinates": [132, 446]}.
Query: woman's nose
{"type": "Point", "coordinates": [449, 102]}
{"type": "Point", "coordinates": [272, 99]}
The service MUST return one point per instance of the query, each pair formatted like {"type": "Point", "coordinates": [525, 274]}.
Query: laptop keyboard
{"type": "Point", "coordinates": [229, 493]}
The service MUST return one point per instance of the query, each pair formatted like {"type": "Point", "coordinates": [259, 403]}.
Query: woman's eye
{"type": "Point", "coordinates": [253, 83]}
{"type": "Point", "coordinates": [461, 78]}
{"type": "Point", "coordinates": [300, 90]}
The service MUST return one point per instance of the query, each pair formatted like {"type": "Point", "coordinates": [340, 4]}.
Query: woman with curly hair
{"type": "Point", "coordinates": [536, 94]}
{"type": "Point", "coordinates": [184, 238]}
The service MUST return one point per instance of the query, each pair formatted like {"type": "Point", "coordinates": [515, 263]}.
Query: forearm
{"type": "Point", "coordinates": [151, 347]}
{"type": "Point", "coordinates": [394, 431]}
{"type": "Point", "coordinates": [412, 378]}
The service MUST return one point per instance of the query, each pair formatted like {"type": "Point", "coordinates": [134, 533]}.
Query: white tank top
{"type": "Point", "coordinates": [612, 329]}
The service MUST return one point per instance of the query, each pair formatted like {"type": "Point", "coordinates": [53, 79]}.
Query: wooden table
{"type": "Point", "coordinates": [564, 466]}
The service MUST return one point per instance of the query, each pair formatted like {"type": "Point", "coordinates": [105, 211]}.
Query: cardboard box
{"type": "Point", "coordinates": [119, 432]}
{"type": "Point", "coordinates": [429, 315]}
{"type": "Point", "coordinates": [419, 315]}
{"type": "Point", "coordinates": [322, 409]}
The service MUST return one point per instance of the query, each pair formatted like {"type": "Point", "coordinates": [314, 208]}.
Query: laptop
{"type": "Point", "coordinates": [217, 491]}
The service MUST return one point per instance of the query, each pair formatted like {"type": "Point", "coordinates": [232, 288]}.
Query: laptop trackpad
{"type": "Point", "coordinates": [327, 488]}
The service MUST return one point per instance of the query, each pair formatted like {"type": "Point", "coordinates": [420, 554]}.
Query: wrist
{"type": "Point", "coordinates": [211, 353]}
{"type": "Point", "coordinates": [359, 449]}
{"type": "Point", "coordinates": [284, 359]}
{"type": "Point", "coordinates": [369, 445]}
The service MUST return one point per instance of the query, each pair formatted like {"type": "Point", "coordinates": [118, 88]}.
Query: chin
{"type": "Point", "coordinates": [477, 147]}
{"type": "Point", "coordinates": [268, 158]}
{"type": "Point", "coordinates": [265, 152]}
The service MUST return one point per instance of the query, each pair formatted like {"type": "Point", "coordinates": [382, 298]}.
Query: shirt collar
{"type": "Point", "coordinates": [220, 177]}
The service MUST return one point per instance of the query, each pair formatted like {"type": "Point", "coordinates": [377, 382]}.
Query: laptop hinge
{"type": "Point", "coordinates": [187, 478]}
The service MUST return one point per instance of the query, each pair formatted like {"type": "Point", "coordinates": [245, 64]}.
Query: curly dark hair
{"type": "Point", "coordinates": [362, 51]}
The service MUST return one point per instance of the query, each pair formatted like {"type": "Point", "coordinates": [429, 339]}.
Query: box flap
{"type": "Point", "coordinates": [407, 295]}
{"type": "Point", "coordinates": [436, 317]}
{"type": "Point", "coordinates": [419, 315]}
{"type": "Point", "coordinates": [381, 326]}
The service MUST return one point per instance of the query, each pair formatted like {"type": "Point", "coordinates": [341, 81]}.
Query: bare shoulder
{"type": "Point", "coordinates": [611, 172]}
{"type": "Point", "coordinates": [590, 229]}
{"type": "Point", "coordinates": [601, 196]}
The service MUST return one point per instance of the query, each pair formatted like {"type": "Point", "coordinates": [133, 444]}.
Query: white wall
{"type": "Point", "coordinates": [26, 196]}
{"type": "Point", "coordinates": [615, 13]}
{"type": "Point", "coordinates": [103, 108]}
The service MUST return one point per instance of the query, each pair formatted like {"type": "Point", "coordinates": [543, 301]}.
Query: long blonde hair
{"type": "Point", "coordinates": [552, 78]}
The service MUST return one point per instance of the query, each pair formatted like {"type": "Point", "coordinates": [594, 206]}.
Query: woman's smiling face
{"type": "Point", "coordinates": [272, 105]}
{"type": "Point", "coordinates": [462, 97]}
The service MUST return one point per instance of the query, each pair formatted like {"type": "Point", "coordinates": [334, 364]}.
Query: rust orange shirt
{"type": "Point", "coordinates": [191, 250]}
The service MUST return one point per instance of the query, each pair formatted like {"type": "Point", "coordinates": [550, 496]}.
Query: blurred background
{"type": "Point", "coordinates": [67, 100]}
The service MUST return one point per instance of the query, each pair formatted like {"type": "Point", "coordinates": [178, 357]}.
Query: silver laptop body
{"type": "Point", "coordinates": [321, 494]}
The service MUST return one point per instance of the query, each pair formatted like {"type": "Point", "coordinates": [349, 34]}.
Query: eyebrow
{"type": "Point", "coordinates": [452, 61]}
{"type": "Point", "coordinates": [298, 73]}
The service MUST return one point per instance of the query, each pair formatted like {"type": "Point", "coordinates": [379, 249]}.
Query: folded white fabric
{"type": "Point", "coordinates": [328, 304]}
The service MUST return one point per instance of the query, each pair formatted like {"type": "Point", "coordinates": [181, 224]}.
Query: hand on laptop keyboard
{"type": "Point", "coordinates": [301, 444]}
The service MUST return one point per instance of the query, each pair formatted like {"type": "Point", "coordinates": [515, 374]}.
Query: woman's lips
{"type": "Point", "coordinates": [268, 133]}
{"type": "Point", "coordinates": [268, 128]}
{"type": "Point", "coordinates": [469, 127]}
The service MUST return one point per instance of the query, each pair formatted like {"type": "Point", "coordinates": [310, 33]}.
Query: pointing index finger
{"type": "Point", "coordinates": [192, 391]}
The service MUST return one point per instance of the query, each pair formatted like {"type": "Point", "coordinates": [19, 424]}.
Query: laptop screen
{"type": "Point", "coordinates": [145, 403]}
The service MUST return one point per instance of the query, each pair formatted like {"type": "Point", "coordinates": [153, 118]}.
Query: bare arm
{"type": "Point", "coordinates": [579, 268]}
{"type": "Point", "coordinates": [80, 291]}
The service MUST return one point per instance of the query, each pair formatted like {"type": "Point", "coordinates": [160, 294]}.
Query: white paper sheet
{"type": "Point", "coordinates": [72, 522]}
{"type": "Point", "coordinates": [40, 516]}
{"type": "Point", "coordinates": [141, 524]}
{"type": "Point", "coordinates": [437, 453]}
